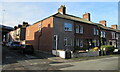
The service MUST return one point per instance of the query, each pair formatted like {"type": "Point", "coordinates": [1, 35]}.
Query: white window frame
{"type": "Point", "coordinates": [117, 35]}
{"type": "Point", "coordinates": [113, 35]}
{"type": "Point", "coordinates": [70, 29]}
{"type": "Point", "coordinates": [81, 29]}
{"type": "Point", "coordinates": [77, 42]}
{"type": "Point", "coordinates": [77, 29]}
{"type": "Point", "coordinates": [94, 31]}
{"type": "Point", "coordinates": [98, 43]}
{"type": "Point", "coordinates": [97, 32]}
{"type": "Point", "coordinates": [104, 34]}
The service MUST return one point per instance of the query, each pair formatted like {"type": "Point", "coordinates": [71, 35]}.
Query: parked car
{"type": "Point", "coordinates": [14, 45]}
{"type": "Point", "coordinates": [26, 48]}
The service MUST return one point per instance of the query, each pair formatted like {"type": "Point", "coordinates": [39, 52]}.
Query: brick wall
{"type": "Point", "coordinates": [40, 40]}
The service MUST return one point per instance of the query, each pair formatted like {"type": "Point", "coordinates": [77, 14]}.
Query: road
{"type": "Point", "coordinates": [97, 64]}
{"type": "Point", "coordinates": [13, 60]}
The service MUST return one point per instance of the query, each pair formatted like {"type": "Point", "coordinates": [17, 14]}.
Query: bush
{"type": "Point", "coordinates": [94, 49]}
{"type": "Point", "coordinates": [107, 48]}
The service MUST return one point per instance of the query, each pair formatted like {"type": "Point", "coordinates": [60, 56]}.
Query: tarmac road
{"type": "Point", "coordinates": [97, 64]}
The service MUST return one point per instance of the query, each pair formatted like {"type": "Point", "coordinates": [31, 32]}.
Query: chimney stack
{"type": "Point", "coordinates": [15, 27]}
{"type": "Point", "coordinates": [103, 22]}
{"type": "Point", "coordinates": [19, 26]}
{"type": "Point", "coordinates": [62, 9]}
{"type": "Point", "coordinates": [114, 26]}
{"type": "Point", "coordinates": [25, 24]}
{"type": "Point", "coordinates": [86, 16]}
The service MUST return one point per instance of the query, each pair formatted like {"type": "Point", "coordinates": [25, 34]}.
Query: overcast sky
{"type": "Point", "coordinates": [17, 12]}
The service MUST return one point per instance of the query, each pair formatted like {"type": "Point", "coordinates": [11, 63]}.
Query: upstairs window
{"type": "Point", "coordinates": [113, 35]}
{"type": "Point", "coordinates": [67, 27]}
{"type": "Point", "coordinates": [117, 36]}
{"type": "Point", "coordinates": [103, 34]}
{"type": "Point", "coordinates": [96, 32]}
{"type": "Point", "coordinates": [79, 29]}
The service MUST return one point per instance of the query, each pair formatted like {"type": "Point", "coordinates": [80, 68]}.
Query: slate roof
{"type": "Point", "coordinates": [74, 18]}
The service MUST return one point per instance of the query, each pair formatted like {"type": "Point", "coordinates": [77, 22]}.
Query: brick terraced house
{"type": "Point", "coordinates": [62, 31]}
{"type": "Point", "coordinates": [19, 33]}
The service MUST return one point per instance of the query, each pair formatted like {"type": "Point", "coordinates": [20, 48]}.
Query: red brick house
{"type": "Point", "coordinates": [19, 33]}
{"type": "Point", "coordinates": [62, 31]}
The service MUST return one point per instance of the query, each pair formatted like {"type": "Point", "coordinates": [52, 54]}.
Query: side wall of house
{"type": "Point", "coordinates": [41, 40]}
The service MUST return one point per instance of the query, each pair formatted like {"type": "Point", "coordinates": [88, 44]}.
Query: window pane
{"type": "Point", "coordinates": [77, 28]}
{"type": "Point", "coordinates": [81, 29]}
{"type": "Point", "coordinates": [77, 42]}
{"type": "Point", "coordinates": [65, 42]}
{"type": "Point", "coordinates": [94, 31]}
{"type": "Point", "coordinates": [81, 43]}
{"type": "Point", "coordinates": [69, 42]}
{"type": "Point", "coordinates": [68, 27]}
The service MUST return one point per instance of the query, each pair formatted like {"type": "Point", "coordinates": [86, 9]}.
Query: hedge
{"type": "Point", "coordinates": [107, 48]}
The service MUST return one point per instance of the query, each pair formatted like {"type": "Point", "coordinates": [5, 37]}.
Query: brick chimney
{"type": "Point", "coordinates": [62, 9]}
{"type": "Point", "coordinates": [103, 22]}
{"type": "Point", "coordinates": [86, 16]}
{"type": "Point", "coordinates": [19, 26]}
{"type": "Point", "coordinates": [25, 24]}
{"type": "Point", "coordinates": [114, 26]}
{"type": "Point", "coordinates": [15, 27]}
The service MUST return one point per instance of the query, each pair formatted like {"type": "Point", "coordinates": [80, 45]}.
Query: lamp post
{"type": "Point", "coordinates": [3, 16]}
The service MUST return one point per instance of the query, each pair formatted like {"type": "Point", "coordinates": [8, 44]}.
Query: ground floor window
{"type": "Point", "coordinates": [68, 41]}
{"type": "Point", "coordinates": [79, 42]}
{"type": "Point", "coordinates": [96, 42]}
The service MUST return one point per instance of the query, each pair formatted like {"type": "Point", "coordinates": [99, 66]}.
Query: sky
{"type": "Point", "coordinates": [17, 12]}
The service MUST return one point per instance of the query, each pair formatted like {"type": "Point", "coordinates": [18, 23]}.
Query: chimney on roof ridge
{"type": "Point", "coordinates": [103, 22]}
{"type": "Point", "coordinates": [62, 9]}
{"type": "Point", "coordinates": [114, 26]}
{"type": "Point", "coordinates": [86, 16]}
